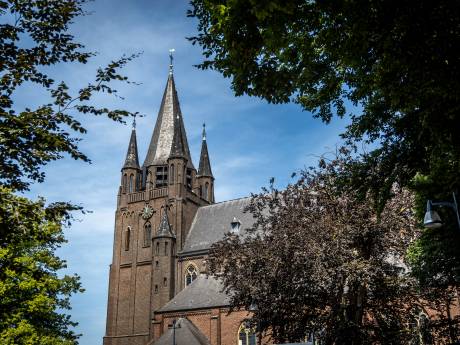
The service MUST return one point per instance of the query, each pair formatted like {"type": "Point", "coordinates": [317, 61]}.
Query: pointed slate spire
{"type": "Point", "coordinates": [164, 229]}
{"type": "Point", "coordinates": [169, 133]}
{"type": "Point", "coordinates": [205, 165]}
{"type": "Point", "coordinates": [132, 159]}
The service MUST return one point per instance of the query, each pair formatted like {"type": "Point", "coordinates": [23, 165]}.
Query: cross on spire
{"type": "Point", "coordinates": [171, 58]}
{"type": "Point", "coordinates": [134, 121]}
{"type": "Point", "coordinates": [204, 131]}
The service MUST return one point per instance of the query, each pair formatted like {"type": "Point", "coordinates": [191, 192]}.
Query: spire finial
{"type": "Point", "coordinates": [171, 51]}
{"type": "Point", "coordinates": [204, 131]}
{"type": "Point", "coordinates": [134, 121]}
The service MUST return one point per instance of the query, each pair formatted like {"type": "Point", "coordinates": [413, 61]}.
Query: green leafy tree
{"type": "Point", "coordinates": [30, 289]}
{"type": "Point", "coordinates": [396, 61]}
{"type": "Point", "coordinates": [34, 37]}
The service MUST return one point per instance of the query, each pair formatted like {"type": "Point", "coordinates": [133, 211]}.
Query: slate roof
{"type": "Point", "coordinates": [204, 168]}
{"type": "Point", "coordinates": [164, 229]}
{"type": "Point", "coordinates": [204, 292]}
{"type": "Point", "coordinates": [132, 159]}
{"type": "Point", "coordinates": [168, 125]}
{"type": "Point", "coordinates": [186, 334]}
{"type": "Point", "coordinates": [213, 221]}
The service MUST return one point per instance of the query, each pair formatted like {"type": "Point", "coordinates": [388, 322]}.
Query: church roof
{"type": "Point", "coordinates": [186, 333]}
{"type": "Point", "coordinates": [169, 130]}
{"type": "Point", "coordinates": [204, 292]}
{"type": "Point", "coordinates": [132, 158]}
{"type": "Point", "coordinates": [213, 221]}
{"type": "Point", "coordinates": [204, 168]}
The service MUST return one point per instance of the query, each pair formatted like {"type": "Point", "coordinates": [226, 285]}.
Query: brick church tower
{"type": "Point", "coordinates": [155, 208]}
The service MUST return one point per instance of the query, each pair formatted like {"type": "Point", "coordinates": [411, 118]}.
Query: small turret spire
{"type": "Point", "coordinates": [132, 158]}
{"type": "Point", "coordinates": [164, 229]}
{"type": "Point", "coordinates": [204, 168]}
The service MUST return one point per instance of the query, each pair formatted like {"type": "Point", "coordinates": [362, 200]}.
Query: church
{"type": "Point", "coordinates": [166, 220]}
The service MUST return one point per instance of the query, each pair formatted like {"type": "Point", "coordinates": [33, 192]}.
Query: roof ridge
{"type": "Point", "coordinates": [221, 202]}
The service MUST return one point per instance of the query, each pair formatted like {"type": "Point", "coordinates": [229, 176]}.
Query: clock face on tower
{"type": "Point", "coordinates": [147, 212]}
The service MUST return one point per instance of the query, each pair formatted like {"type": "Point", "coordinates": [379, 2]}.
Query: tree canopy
{"type": "Point", "coordinates": [392, 67]}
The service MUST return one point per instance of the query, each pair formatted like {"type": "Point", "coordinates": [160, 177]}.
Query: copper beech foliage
{"type": "Point", "coordinates": [320, 260]}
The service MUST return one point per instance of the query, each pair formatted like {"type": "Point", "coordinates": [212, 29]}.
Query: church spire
{"type": "Point", "coordinates": [169, 134]}
{"type": "Point", "coordinates": [205, 165]}
{"type": "Point", "coordinates": [132, 159]}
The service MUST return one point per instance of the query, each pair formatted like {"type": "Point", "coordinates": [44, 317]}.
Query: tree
{"type": "Point", "coordinates": [396, 61]}
{"type": "Point", "coordinates": [34, 36]}
{"type": "Point", "coordinates": [30, 289]}
{"type": "Point", "coordinates": [319, 259]}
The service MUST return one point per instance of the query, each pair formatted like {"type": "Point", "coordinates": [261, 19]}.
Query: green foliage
{"type": "Point", "coordinates": [30, 289]}
{"type": "Point", "coordinates": [34, 35]}
{"type": "Point", "coordinates": [397, 61]}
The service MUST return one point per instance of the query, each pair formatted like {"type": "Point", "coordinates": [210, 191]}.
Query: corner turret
{"type": "Point", "coordinates": [131, 172]}
{"type": "Point", "coordinates": [205, 179]}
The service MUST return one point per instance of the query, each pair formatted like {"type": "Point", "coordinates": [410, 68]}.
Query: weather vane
{"type": "Point", "coordinates": [204, 131]}
{"type": "Point", "coordinates": [171, 51]}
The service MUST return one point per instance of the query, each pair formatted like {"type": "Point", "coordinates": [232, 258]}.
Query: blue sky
{"type": "Point", "coordinates": [249, 140]}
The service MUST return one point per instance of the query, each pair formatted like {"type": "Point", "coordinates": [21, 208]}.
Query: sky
{"type": "Point", "coordinates": [249, 140]}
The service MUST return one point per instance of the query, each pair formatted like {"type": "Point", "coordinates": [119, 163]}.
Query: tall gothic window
{"type": "Point", "coordinates": [131, 183]}
{"type": "Point", "coordinates": [125, 183]}
{"type": "Point", "coordinates": [127, 238]}
{"type": "Point", "coordinates": [157, 248]}
{"type": "Point", "coordinates": [171, 174]}
{"type": "Point", "coordinates": [246, 336]}
{"type": "Point", "coordinates": [138, 181]}
{"type": "Point", "coordinates": [147, 234]}
{"type": "Point", "coordinates": [161, 176]}
{"type": "Point", "coordinates": [190, 274]}
{"type": "Point", "coordinates": [166, 248]}
{"type": "Point", "coordinates": [189, 178]}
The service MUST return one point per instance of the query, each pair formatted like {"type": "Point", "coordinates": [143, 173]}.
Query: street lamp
{"type": "Point", "coordinates": [175, 325]}
{"type": "Point", "coordinates": [432, 219]}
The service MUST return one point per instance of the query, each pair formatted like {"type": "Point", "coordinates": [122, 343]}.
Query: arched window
{"type": "Point", "coordinates": [246, 336]}
{"type": "Point", "coordinates": [205, 193]}
{"type": "Point", "coordinates": [131, 183]}
{"type": "Point", "coordinates": [191, 274]}
{"type": "Point", "coordinates": [125, 183]}
{"type": "Point", "coordinates": [165, 281]}
{"type": "Point", "coordinates": [127, 238]}
{"type": "Point", "coordinates": [147, 234]}
{"type": "Point", "coordinates": [201, 191]}
{"type": "Point", "coordinates": [157, 248]}
{"type": "Point", "coordinates": [166, 249]}
{"type": "Point", "coordinates": [171, 174]}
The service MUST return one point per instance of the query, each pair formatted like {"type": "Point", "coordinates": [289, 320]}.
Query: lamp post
{"type": "Point", "coordinates": [175, 325]}
{"type": "Point", "coordinates": [432, 219]}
